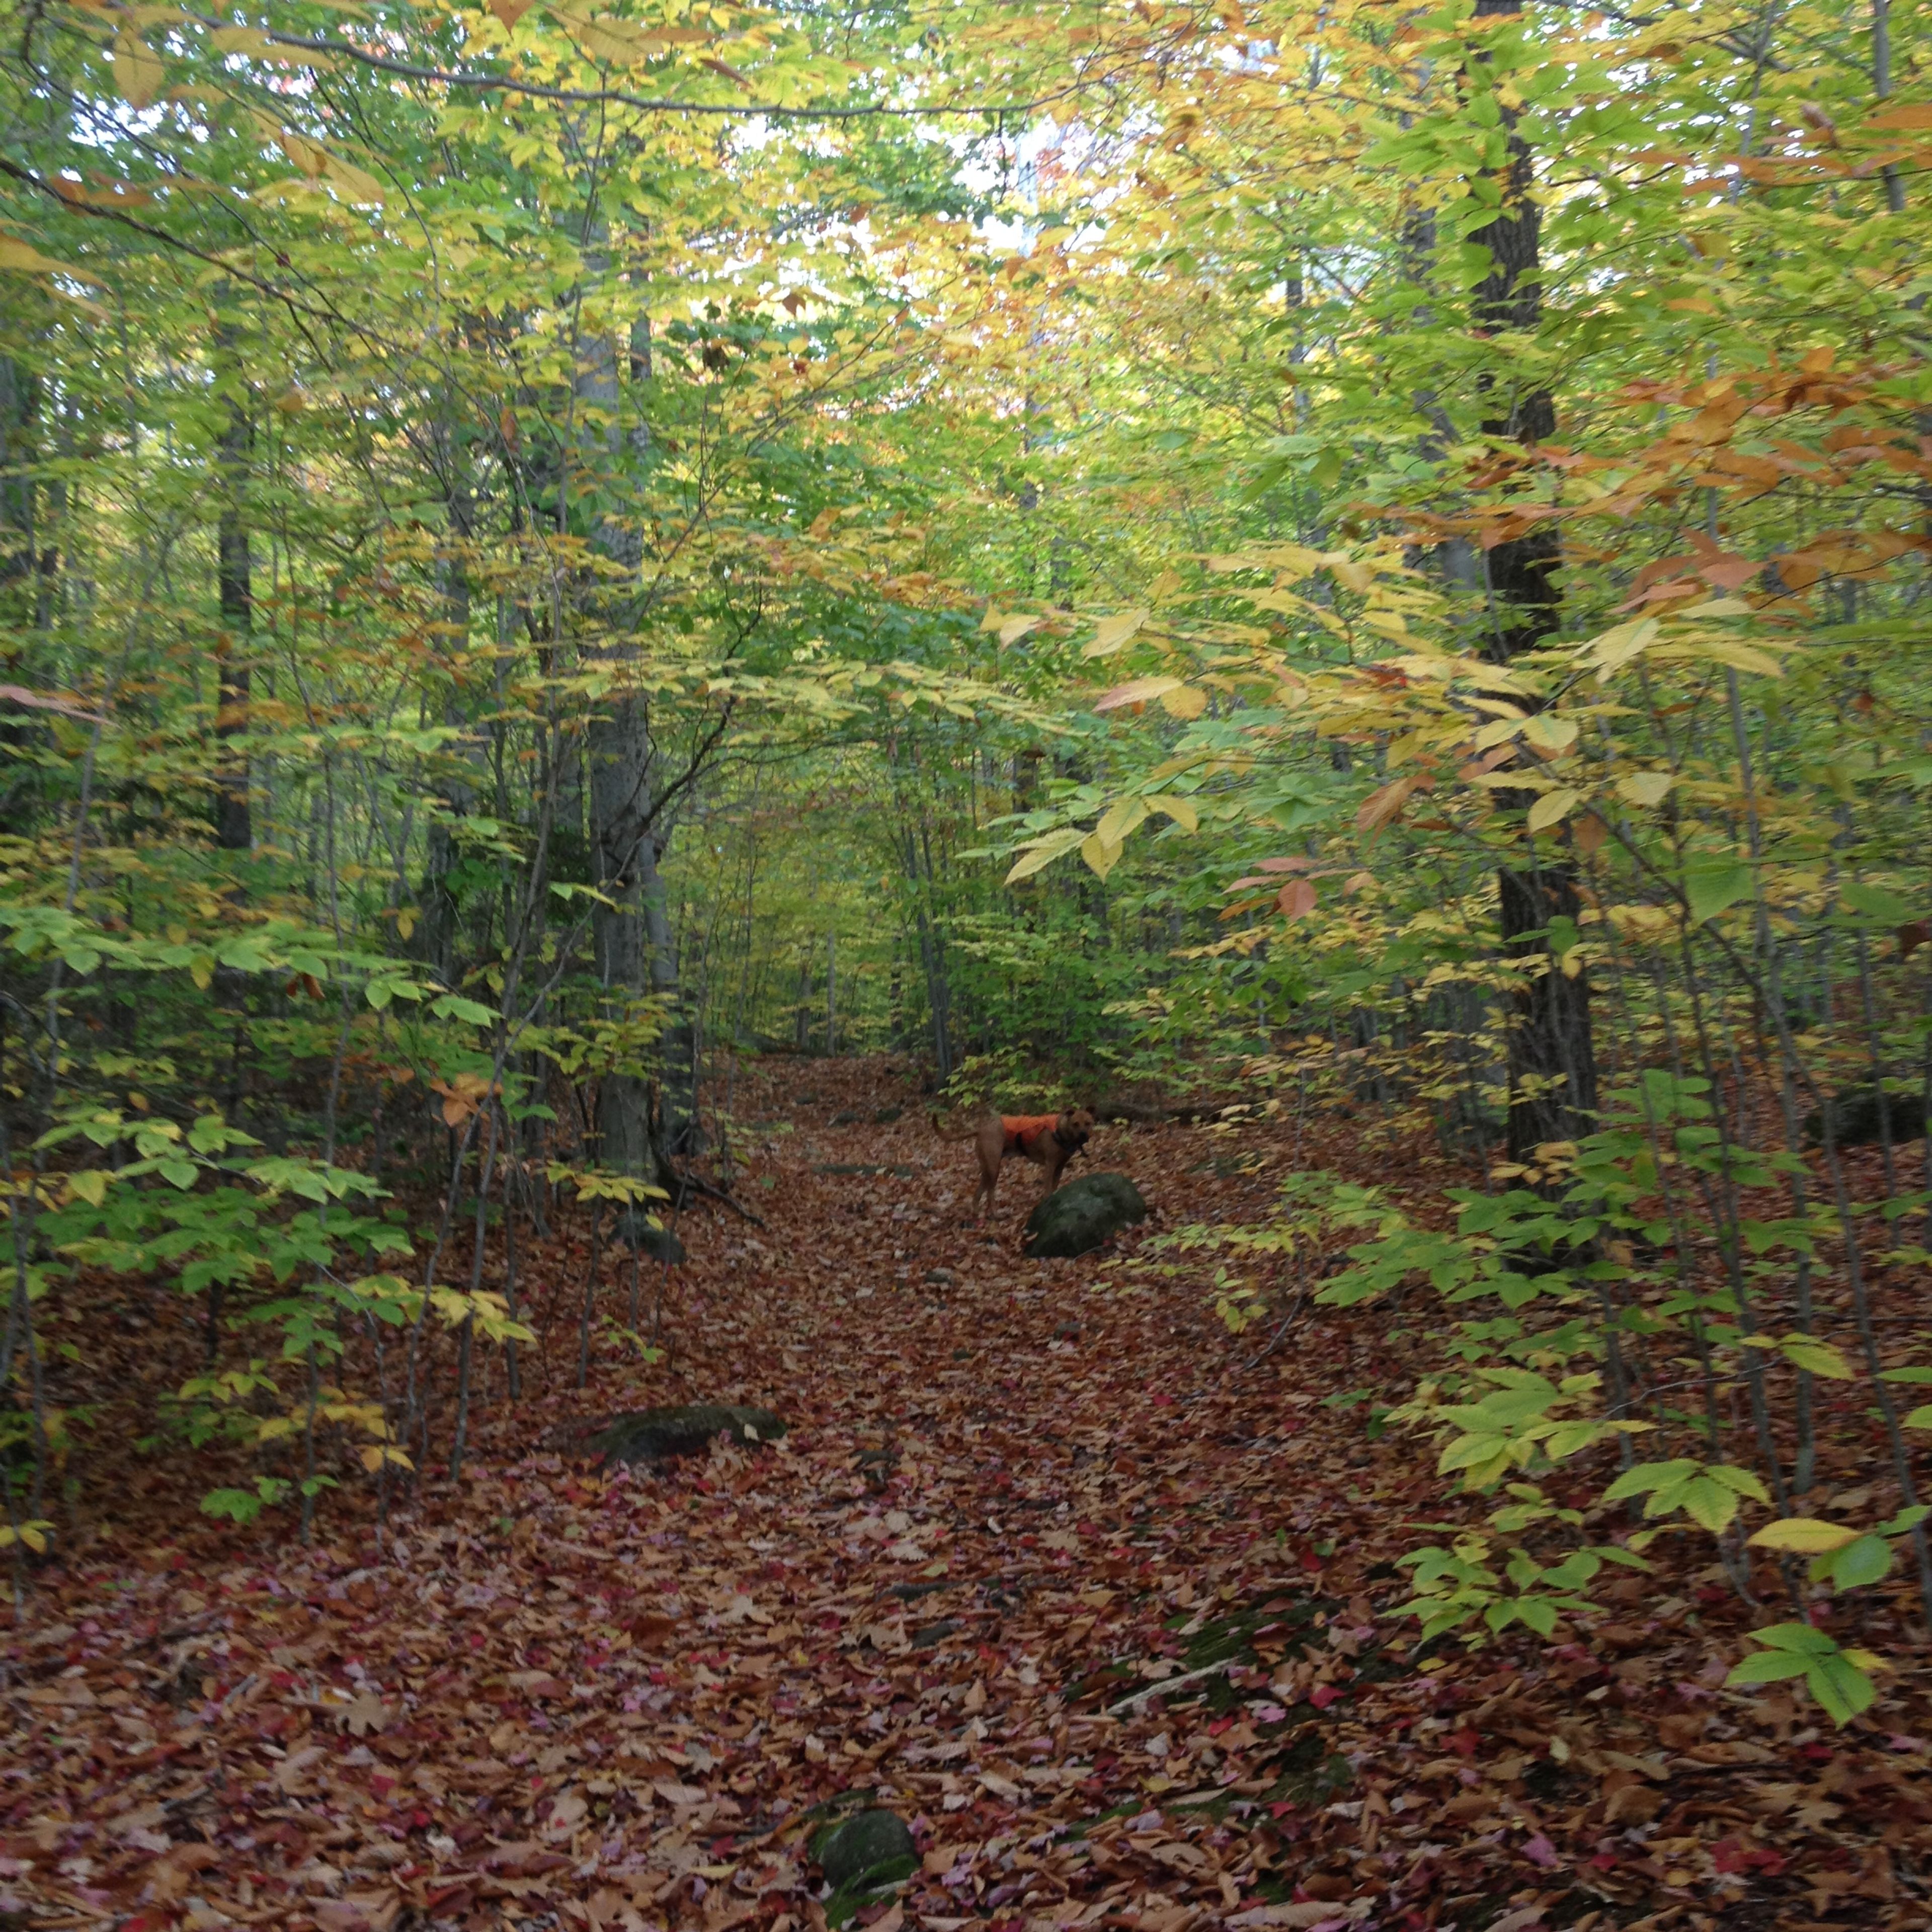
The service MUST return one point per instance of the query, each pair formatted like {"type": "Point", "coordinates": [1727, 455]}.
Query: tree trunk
{"type": "Point", "coordinates": [617, 752]}
{"type": "Point", "coordinates": [234, 829]}
{"type": "Point", "coordinates": [440, 909]}
{"type": "Point", "coordinates": [19, 406]}
{"type": "Point", "coordinates": [1553, 1068]}
{"type": "Point", "coordinates": [636, 948]}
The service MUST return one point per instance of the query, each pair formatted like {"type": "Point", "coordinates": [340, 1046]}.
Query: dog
{"type": "Point", "coordinates": [1050, 1141]}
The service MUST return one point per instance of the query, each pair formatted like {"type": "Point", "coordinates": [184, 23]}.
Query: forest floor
{"type": "Point", "coordinates": [1017, 1499]}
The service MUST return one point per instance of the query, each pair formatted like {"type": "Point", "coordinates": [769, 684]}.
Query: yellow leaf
{"type": "Point", "coordinates": [1180, 810]}
{"type": "Point", "coordinates": [612, 40]}
{"type": "Point", "coordinates": [89, 1185]}
{"type": "Point", "coordinates": [1137, 691]}
{"type": "Point", "coordinates": [1739, 657]}
{"type": "Point", "coordinates": [1110, 633]}
{"type": "Point", "coordinates": [1803, 1536]}
{"type": "Point", "coordinates": [307, 155]}
{"type": "Point", "coordinates": [1553, 808]}
{"type": "Point", "coordinates": [1101, 857]}
{"type": "Point", "coordinates": [405, 922]}
{"type": "Point", "coordinates": [1645, 787]}
{"type": "Point", "coordinates": [15, 254]}
{"type": "Point", "coordinates": [1118, 820]}
{"type": "Point", "coordinates": [1615, 648]}
{"type": "Point", "coordinates": [1188, 701]}
{"type": "Point", "coordinates": [138, 72]}
{"type": "Point", "coordinates": [355, 184]}
{"type": "Point", "coordinates": [1355, 576]}
{"type": "Point", "coordinates": [1014, 628]}
{"type": "Point", "coordinates": [1548, 734]}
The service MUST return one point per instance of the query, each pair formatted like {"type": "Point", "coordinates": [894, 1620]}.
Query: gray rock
{"type": "Point", "coordinates": [633, 1230]}
{"type": "Point", "coordinates": [1864, 1116]}
{"type": "Point", "coordinates": [657, 1434]}
{"type": "Point", "coordinates": [869, 1845]}
{"type": "Point", "coordinates": [1076, 1219]}
{"type": "Point", "coordinates": [885, 1116]}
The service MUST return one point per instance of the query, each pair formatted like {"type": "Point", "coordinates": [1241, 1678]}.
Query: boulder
{"type": "Point", "coordinates": [868, 1849]}
{"type": "Point", "coordinates": [633, 1230]}
{"type": "Point", "coordinates": [1864, 1116]}
{"type": "Point", "coordinates": [657, 1434]}
{"type": "Point", "coordinates": [1075, 1219]}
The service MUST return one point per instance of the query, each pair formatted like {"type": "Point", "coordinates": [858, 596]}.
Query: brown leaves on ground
{"type": "Point", "coordinates": [1028, 1516]}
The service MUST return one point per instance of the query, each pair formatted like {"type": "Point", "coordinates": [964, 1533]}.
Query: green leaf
{"type": "Point", "coordinates": [1875, 902]}
{"type": "Point", "coordinates": [1037, 856]}
{"type": "Point", "coordinates": [1841, 1688]}
{"type": "Point", "coordinates": [1822, 1358]}
{"type": "Point", "coordinates": [1805, 1638]}
{"type": "Point", "coordinates": [1645, 1478]}
{"type": "Point", "coordinates": [1766, 1666]}
{"type": "Point", "coordinates": [1863, 1562]}
{"type": "Point", "coordinates": [1712, 886]}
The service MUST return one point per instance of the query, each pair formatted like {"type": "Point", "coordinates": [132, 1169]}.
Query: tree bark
{"type": "Point", "coordinates": [1553, 1068]}
{"type": "Point", "coordinates": [636, 948]}
{"type": "Point", "coordinates": [234, 827]}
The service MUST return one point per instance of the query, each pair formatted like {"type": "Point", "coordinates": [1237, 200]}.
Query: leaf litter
{"type": "Point", "coordinates": [1086, 1590]}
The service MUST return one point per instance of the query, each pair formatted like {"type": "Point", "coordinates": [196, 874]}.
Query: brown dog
{"type": "Point", "coordinates": [1049, 1140]}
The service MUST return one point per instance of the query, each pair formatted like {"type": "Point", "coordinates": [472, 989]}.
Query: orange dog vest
{"type": "Point", "coordinates": [1023, 1133]}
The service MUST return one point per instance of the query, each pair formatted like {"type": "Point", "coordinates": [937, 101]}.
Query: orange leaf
{"type": "Point", "coordinates": [1298, 899]}
{"type": "Point", "coordinates": [1383, 807]}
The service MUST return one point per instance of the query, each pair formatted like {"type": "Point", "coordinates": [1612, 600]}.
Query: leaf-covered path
{"type": "Point", "coordinates": [1016, 1499]}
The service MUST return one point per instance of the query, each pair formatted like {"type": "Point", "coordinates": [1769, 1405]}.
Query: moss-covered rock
{"type": "Point", "coordinates": [633, 1230]}
{"type": "Point", "coordinates": [867, 1849]}
{"type": "Point", "coordinates": [1864, 1116]}
{"type": "Point", "coordinates": [1076, 1219]}
{"type": "Point", "coordinates": [657, 1435]}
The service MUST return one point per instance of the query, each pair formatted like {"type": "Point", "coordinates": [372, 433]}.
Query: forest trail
{"type": "Point", "coordinates": [1010, 1502]}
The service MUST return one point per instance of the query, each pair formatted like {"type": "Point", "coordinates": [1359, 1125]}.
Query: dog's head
{"type": "Point", "coordinates": [1072, 1129]}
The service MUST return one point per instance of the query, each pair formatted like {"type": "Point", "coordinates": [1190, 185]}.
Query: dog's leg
{"type": "Point", "coordinates": [991, 1147]}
